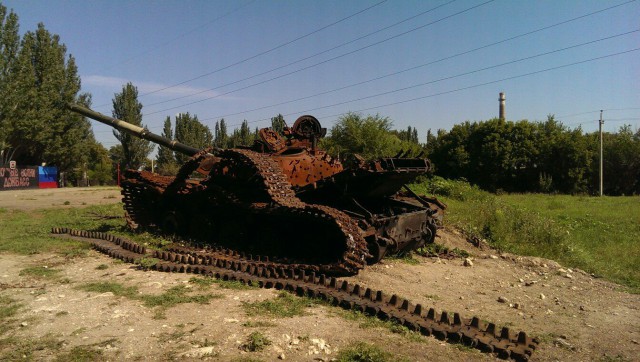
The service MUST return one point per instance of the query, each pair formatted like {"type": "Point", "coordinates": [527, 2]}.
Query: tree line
{"type": "Point", "coordinates": [547, 156]}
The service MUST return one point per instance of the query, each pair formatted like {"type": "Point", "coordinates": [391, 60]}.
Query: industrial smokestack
{"type": "Point", "coordinates": [502, 100]}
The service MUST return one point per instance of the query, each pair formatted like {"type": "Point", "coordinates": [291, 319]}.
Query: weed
{"type": "Point", "coordinates": [80, 353]}
{"type": "Point", "coordinates": [147, 262]}
{"type": "Point", "coordinates": [363, 352]}
{"type": "Point", "coordinates": [168, 299]}
{"type": "Point", "coordinates": [258, 324]}
{"type": "Point", "coordinates": [609, 358]}
{"type": "Point", "coordinates": [79, 252]}
{"type": "Point", "coordinates": [173, 296]}
{"type": "Point", "coordinates": [173, 336]}
{"type": "Point", "coordinates": [432, 250]}
{"type": "Point", "coordinates": [40, 272]}
{"type": "Point", "coordinates": [105, 287]}
{"type": "Point", "coordinates": [284, 305]}
{"type": "Point", "coordinates": [78, 331]}
{"type": "Point", "coordinates": [62, 313]}
{"type": "Point", "coordinates": [23, 349]}
{"type": "Point", "coordinates": [8, 307]}
{"type": "Point", "coordinates": [465, 348]}
{"type": "Point", "coordinates": [246, 359]}
{"type": "Point", "coordinates": [256, 342]}
{"type": "Point", "coordinates": [366, 321]}
{"type": "Point", "coordinates": [67, 203]}
{"type": "Point", "coordinates": [432, 296]}
{"type": "Point", "coordinates": [207, 343]}
{"type": "Point", "coordinates": [406, 258]}
{"type": "Point", "coordinates": [102, 267]}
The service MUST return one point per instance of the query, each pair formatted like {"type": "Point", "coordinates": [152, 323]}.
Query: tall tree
{"type": "Point", "coordinates": [369, 136]}
{"type": "Point", "coordinates": [190, 131]}
{"type": "Point", "coordinates": [221, 137]}
{"type": "Point", "coordinates": [9, 46]}
{"type": "Point", "coordinates": [42, 79]}
{"type": "Point", "coordinates": [127, 108]}
{"type": "Point", "coordinates": [166, 159]}
{"type": "Point", "coordinates": [278, 124]}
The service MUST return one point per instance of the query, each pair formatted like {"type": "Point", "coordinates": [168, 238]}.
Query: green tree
{"type": "Point", "coordinates": [621, 155]}
{"type": "Point", "coordinates": [191, 132]}
{"type": "Point", "coordinates": [100, 166]}
{"type": "Point", "coordinates": [221, 138]}
{"type": "Point", "coordinates": [369, 136]}
{"type": "Point", "coordinates": [42, 79]}
{"type": "Point", "coordinates": [166, 160]}
{"type": "Point", "coordinates": [278, 123]}
{"type": "Point", "coordinates": [9, 46]}
{"type": "Point", "coordinates": [127, 108]}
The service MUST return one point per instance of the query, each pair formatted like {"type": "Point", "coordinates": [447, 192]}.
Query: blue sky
{"type": "Point", "coordinates": [428, 64]}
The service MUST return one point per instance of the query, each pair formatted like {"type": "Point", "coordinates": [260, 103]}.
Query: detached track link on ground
{"type": "Point", "coordinates": [452, 328]}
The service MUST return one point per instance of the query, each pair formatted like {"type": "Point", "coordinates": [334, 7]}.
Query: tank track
{"type": "Point", "coordinates": [267, 176]}
{"type": "Point", "coordinates": [227, 265]}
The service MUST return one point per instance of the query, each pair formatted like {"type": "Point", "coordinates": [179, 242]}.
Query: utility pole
{"type": "Point", "coordinates": [601, 153]}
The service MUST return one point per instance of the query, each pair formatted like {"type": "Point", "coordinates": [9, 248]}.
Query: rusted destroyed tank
{"type": "Point", "coordinates": [284, 198]}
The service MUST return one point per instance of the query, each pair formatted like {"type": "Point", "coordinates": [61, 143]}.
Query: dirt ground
{"type": "Point", "coordinates": [577, 317]}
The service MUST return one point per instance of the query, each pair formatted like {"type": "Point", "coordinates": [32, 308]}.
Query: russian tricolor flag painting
{"type": "Point", "coordinates": [47, 177]}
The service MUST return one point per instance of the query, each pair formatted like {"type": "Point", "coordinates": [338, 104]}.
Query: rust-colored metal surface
{"type": "Point", "coordinates": [285, 198]}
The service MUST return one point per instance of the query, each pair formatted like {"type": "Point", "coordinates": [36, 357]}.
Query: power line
{"type": "Point", "coordinates": [470, 72]}
{"type": "Point", "coordinates": [326, 61]}
{"type": "Point", "coordinates": [595, 111]}
{"type": "Point", "coordinates": [154, 48]}
{"type": "Point", "coordinates": [420, 66]}
{"type": "Point", "coordinates": [462, 88]}
{"type": "Point", "coordinates": [381, 77]}
{"type": "Point", "coordinates": [267, 51]}
{"type": "Point", "coordinates": [307, 57]}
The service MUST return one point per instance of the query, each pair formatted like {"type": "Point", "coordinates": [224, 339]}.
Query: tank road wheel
{"type": "Point", "coordinates": [377, 252]}
{"type": "Point", "coordinates": [430, 235]}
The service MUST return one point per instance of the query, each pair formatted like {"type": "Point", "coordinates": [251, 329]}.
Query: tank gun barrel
{"type": "Point", "coordinates": [134, 130]}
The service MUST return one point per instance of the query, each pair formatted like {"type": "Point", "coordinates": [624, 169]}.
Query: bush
{"type": "Point", "coordinates": [457, 189]}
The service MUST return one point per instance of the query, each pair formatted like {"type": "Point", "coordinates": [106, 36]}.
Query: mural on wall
{"type": "Point", "coordinates": [12, 178]}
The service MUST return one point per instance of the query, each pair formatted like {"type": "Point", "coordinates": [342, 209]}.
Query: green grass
{"type": "Point", "coordinates": [367, 321]}
{"type": "Point", "coordinates": [28, 232]}
{"type": "Point", "coordinates": [117, 289]}
{"type": "Point", "coordinates": [8, 307]}
{"type": "Point", "coordinates": [600, 235]}
{"type": "Point", "coordinates": [256, 341]}
{"type": "Point", "coordinates": [177, 295]}
{"type": "Point", "coordinates": [258, 324]}
{"type": "Point", "coordinates": [26, 349]}
{"type": "Point", "coordinates": [80, 354]}
{"type": "Point", "coordinates": [364, 352]}
{"type": "Point", "coordinates": [284, 305]}
{"type": "Point", "coordinates": [40, 272]}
